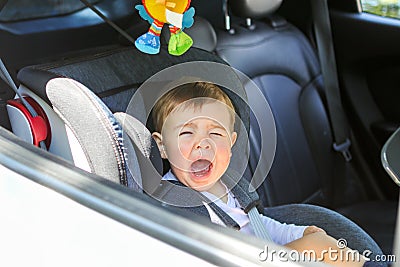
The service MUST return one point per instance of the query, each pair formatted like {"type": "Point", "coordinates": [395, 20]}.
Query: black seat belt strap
{"type": "Point", "coordinates": [326, 54]}
{"type": "Point", "coordinates": [109, 22]}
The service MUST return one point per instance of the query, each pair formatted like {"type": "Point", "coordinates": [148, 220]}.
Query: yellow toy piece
{"type": "Point", "coordinates": [157, 8]}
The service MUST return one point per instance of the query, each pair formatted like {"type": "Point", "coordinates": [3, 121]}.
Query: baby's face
{"type": "Point", "coordinates": [197, 143]}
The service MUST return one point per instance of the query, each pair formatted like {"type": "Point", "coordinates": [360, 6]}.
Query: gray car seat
{"type": "Point", "coordinates": [114, 75]}
{"type": "Point", "coordinates": [282, 62]}
{"type": "Point", "coordinates": [302, 214]}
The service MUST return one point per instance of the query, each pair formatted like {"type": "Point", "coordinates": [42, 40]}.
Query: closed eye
{"type": "Point", "coordinates": [185, 133]}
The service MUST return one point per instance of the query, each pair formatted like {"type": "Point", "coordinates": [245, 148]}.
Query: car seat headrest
{"type": "Point", "coordinates": [141, 136]}
{"type": "Point", "coordinates": [137, 131]}
{"type": "Point", "coordinates": [254, 8]}
{"type": "Point", "coordinates": [141, 147]}
{"type": "Point", "coordinates": [94, 126]}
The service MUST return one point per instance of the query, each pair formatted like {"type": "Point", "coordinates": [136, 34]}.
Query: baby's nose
{"type": "Point", "coordinates": [203, 144]}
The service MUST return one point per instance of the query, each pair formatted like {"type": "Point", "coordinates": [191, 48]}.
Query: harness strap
{"type": "Point", "coordinates": [177, 194]}
{"type": "Point", "coordinates": [174, 192]}
{"type": "Point", "coordinates": [242, 189]}
{"type": "Point", "coordinates": [249, 200]}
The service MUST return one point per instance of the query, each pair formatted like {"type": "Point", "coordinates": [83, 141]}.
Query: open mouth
{"type": "Point", "coordinates": [201, 168]}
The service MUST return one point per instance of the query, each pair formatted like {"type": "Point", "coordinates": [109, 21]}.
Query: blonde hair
{"type": "Point", "coordinates": [201, 90]}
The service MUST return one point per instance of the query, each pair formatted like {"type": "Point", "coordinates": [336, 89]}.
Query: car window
{"type": "Point", "coordinates": [17, 10]}
{"type": "Point", "coordinates": [386, 8]}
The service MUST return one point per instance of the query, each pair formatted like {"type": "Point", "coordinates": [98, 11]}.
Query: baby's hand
{"type": "Point", "coordinates": [312, 229]}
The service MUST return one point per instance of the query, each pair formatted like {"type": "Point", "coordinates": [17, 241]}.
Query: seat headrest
{"type": "Point", "coordinates": [141, 147]}
{"type": "Point", "coordinates": [254, 8]}
{"type": "Point", "coordinates": [94, 126]}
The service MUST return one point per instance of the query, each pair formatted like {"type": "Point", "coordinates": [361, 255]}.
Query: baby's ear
{"type": "Point", "coordinates": [159, 141]}
{"type": "Point", "coordinates": [233, 138]}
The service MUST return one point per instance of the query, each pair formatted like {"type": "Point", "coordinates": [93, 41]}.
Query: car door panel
{"type": "Point", "coordinates": [366, 47]}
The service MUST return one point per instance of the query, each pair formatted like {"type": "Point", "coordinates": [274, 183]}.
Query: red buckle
{"type": "Point", "coordinates": [40, 126]}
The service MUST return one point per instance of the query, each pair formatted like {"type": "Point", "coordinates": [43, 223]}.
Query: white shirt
{"type": "Point", "coordinates": [281, 233]}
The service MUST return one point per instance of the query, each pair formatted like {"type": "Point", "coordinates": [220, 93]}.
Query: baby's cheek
{"type": "Point", "coordinates": [224, 154]}
{"type": "Point", "coordinates": [224, 147]}
{"type": "Point", "coordinates": [184, 149]}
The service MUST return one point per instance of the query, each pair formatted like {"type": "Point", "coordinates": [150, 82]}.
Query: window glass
{"type": "Point", "coordinates": [386, 8]}
{"type": "Point", "coordinates": [15, 10]}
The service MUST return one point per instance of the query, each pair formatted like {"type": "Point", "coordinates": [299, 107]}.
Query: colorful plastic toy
{"type": "Point", "coordinates": [177, 14]}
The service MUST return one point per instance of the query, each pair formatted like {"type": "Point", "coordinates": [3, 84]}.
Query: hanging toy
{"type": "Point", "coordinates": [158, 12]}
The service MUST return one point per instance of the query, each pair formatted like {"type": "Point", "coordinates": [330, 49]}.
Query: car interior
{"type": "Point", "coordinates": [79, 74]}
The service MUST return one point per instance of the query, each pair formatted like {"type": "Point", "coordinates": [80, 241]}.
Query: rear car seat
{"type": "Point", "coordinates": [280, 59]}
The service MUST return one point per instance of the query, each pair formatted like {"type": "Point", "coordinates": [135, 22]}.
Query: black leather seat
{"type": "Point", "coordinates": [282, 62]}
